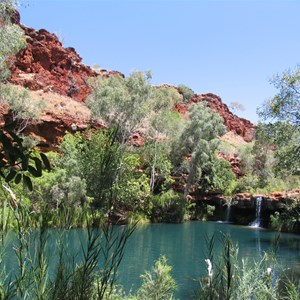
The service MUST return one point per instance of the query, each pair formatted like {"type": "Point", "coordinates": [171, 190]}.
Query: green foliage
{"type": "Point", "coordinates": [186, 92]}
{"type": "Point", "coordinates": [246, 157]}
{"type": "Point", "coordinates": [158, 284]}
{"type": "Point", "coordinates": [228, 278]}
{"type": "Point", "coordinates": [18, 163]}
{"type": "Point", "coordinates": [284, 106]}
{"type": "Point", "coordinates": [58, 189]}
{"type": "Point", "coordinates": [262, 165]}
{"type": "Point", "coordinates": [121, 102]}
{"type": "Point", "coordinates": [164, 130]}
{"type": "Point", "coordinates": [163, 98]}
{"type": "Point", "coordinates": [113, 179]}
{"type": "Point", "coordinates": [199, 140]}
{"type": "Point", "coordinates": [21, 109]}
{"type": "Point", "coordinates": [226, 148]}
{"type": "Point", "coordinates": [285, 139]}
{"type": "Point", "coordinates": [221, 177]}
{"type": "Point", "coordinates": [132, 189]}
{"type": "Point", "coordinates": [11, 36]}
{"type": "Point", "coordinates": [159, 166]}
{"type": "Point", "coordinates": [284, 112]}
{"type": "Point", "coordinates": [288, 219]}
{"type": "Point", "coordinates": [203, 211]}
{"type": "Point", "coordinates": [165, 207]}
{"type": "Point", "coordinates": [264, 160]}
{"type": "Point", "coordinates": [94, 157]}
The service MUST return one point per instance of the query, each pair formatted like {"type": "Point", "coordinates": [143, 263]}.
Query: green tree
{"type": "Point", "coordinates": [121, 103]}
{"type": "Point", "coordinates": [263, 155]}
{"type": "Point", "coordinates": [11, 42]}
{"type": "Point", "coordinates": [199, 142]}
{"type": "Point", "coordinates": [283, 115]}
{"type": "Point", "coordinates": [163, 129]}
{"type": "Point", "coordinates": [22, 109]}
{"type": "Point", "coordinates": [131, 191]}
{"type": "Point", "coordinates": [94, 157]}
{"type": "Point", "coordinates": [221, 178]}
{"type": "Point", "coordinates": [285, 105]}
{"type": "Point", "coordinates": [11, 36]}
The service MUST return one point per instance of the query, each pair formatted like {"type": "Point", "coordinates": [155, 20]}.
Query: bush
{"type": "Point", "coordinates": [186, 92]}
{"type": "Point", "coordinates": [158, 284]}
{"type": "Point", "coordinates": [228, 278]}
{"type": "Point", "coordinates": [222, 177]}
{"type": "Point", "coordinates": [288, 220]}
{"type": "Point", "coordinates": [94, 157]}
{"type": "Point", "coordinates": [166, 207]}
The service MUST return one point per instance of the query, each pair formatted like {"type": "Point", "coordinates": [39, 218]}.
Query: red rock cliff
{"type": "Point", "coordinates": [46, 65]}
{"type": "Point", "coordinates": [240, 126]}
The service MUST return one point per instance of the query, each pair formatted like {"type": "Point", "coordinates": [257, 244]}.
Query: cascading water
{"type": "Point", "coordinates": [228, 208]}
{"type": "Point", "coordinates": [256, 222]}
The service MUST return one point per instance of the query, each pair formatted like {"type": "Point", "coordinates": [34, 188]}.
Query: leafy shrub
{"type": "Point", "coordinates": [288, 220]}
{"type": "Point", "coordinates": [222, 177]}
{"type": "Point", "coordinates": [94, 157]}
{"type": "Point", "coordinates": [228, 278]}
{"type": "Point", "coordinates": [186, 92]}
{"type": "Point", "coordinates": [166, 207]}
{"type": "Point", "coordinates": [158, 284]}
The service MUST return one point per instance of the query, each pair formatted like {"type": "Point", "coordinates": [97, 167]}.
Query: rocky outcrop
{"type": "Point", "coordinates": [275, 201]}
{"type": "Point", "coordinates": [46, 65]}
{"type": "Point", "coordinates": [240, 126]}
{"type": "Point", "coordinates": [58, 115]}
{"type": "Point", "coordinates": [51, 129]}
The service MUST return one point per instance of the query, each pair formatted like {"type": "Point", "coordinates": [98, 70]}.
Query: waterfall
{"type": "Point", "coordinates": [227, 218]}
{"type": "Point", "coordinates": [256, 222]}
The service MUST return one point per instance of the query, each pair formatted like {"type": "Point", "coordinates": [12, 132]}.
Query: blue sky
{"type": "Point", "coordinates": [230, 48]}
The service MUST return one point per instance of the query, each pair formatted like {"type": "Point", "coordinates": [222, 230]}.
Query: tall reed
{"type": "Point", "coordinates": [38, 274]}
{"type": "Point", "coordinates": [231, 278]}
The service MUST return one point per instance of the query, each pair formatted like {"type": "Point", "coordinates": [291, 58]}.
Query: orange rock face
{"type": "Point", "coordinates": [240, 126]}
{"type": "Point", "coordinates": [46, 65]}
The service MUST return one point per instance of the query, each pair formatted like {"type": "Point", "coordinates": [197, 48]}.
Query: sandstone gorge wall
{"type": "Point", "coordinates": [45, 65]}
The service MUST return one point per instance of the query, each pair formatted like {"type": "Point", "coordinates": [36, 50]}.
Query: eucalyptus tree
{"type": "Point", "coordinates": [17, 162]}
{"type": "Point", "coordinates": [163, 129]}
{"type": "Point", "coordinates": [186, 92]}
{"type": "Point", "coordinates": [121, 103]}
{"type": "Point", "coordinates": [285, 105]}
{"type": "Point", "coordinates": [199, 141]}
{"type": "Point", "coordinates": [131, 104]}
{"type": "Point", "coordinates": [12, 40]}
{"type": "Point", "coordinates": [282, 112]}
{"type": "Point", "coordinates": [11, 36]}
